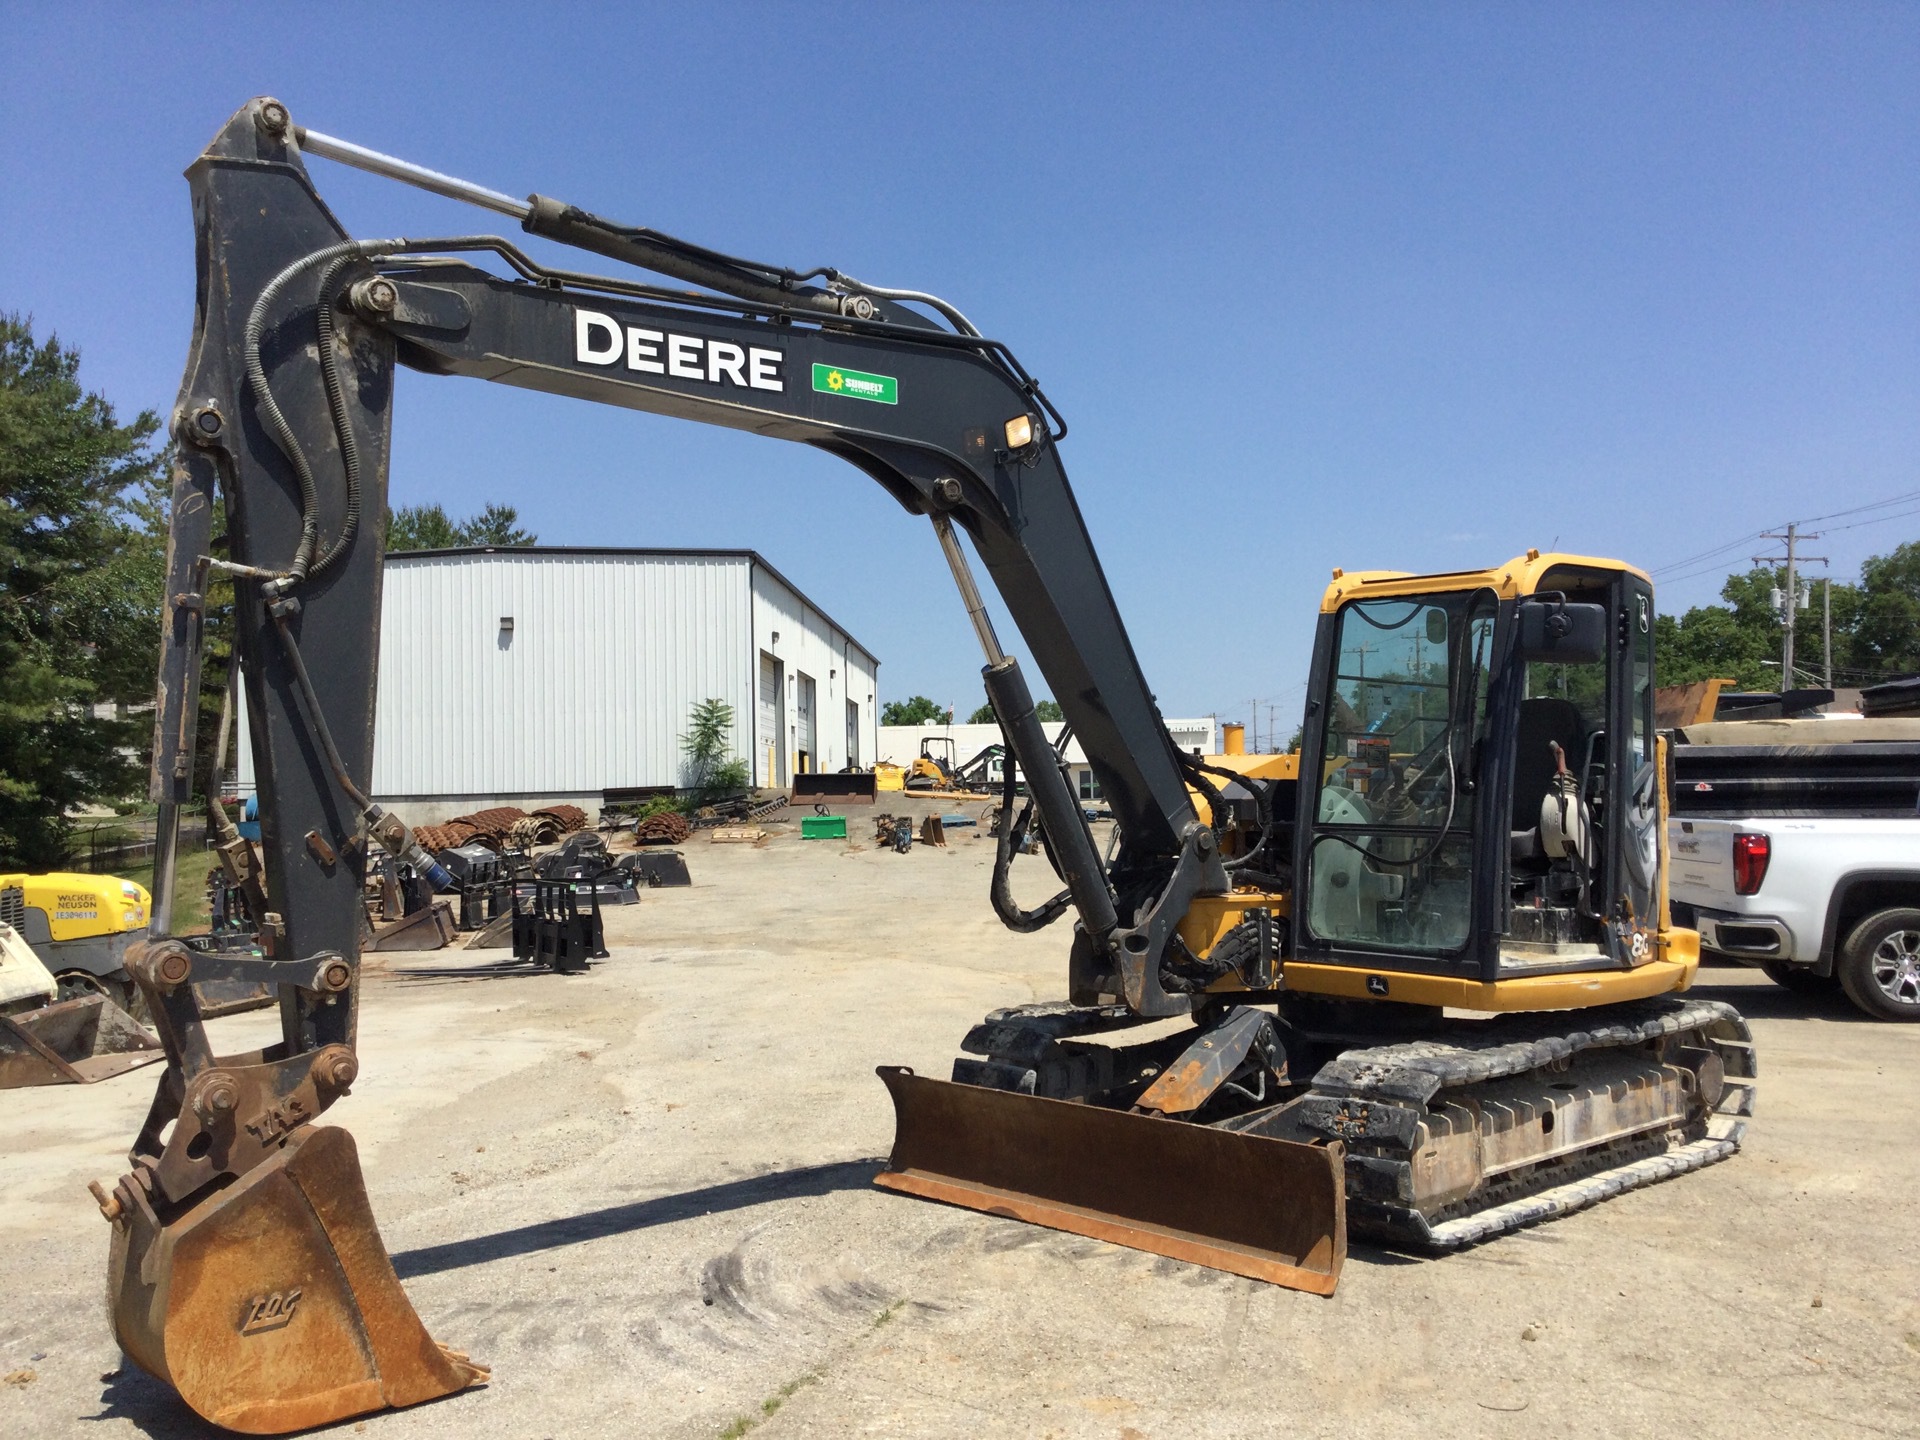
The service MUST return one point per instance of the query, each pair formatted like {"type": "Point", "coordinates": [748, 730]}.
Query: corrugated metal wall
{"type": "Point", "coordinates": [591, 687]}
{"type": "Point", "coordinates": [809, 647]}
{"type": "Point", "coordinates": [589, 690]}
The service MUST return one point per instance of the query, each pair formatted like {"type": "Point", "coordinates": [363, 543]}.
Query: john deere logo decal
{"type": "Point", "coordinates": [857, 384]}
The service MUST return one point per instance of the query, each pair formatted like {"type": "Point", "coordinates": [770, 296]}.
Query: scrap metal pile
{"type": "Point", "coordinates": [502, 826]}
{"type": "Point", "coordinates": [669, 827]}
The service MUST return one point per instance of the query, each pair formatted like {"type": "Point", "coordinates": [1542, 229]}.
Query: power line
{"type": "Point", "coordinates": [1857, 509]}
{"type": "Point", "coordinates": [1717, 551]}
{"type": "Point", "coordinates": [1705, 561]}
{"type": "Point", "coordinates": [1898, 515]}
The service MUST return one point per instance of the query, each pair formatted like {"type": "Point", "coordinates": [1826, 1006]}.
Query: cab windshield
{"type": "Point", "coordinates": [1406, 703]}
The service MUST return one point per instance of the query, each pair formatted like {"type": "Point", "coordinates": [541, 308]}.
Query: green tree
{"type": "Point", "coordinates": [918, 710]}
{"type": "Point", "coordinates": [1883, 618]}
{"type": "Point", "coordinates": [496, 525]}
{"type": "Point", "coordinates": [420, 527]}
{"type": "Point", "coordinates": [78, 598]}
{"type": "Point", "coordinates": [429, 527]}
{"type": "Point", "coordinates": [713, 768]}
{"type": "Point", "coordinates": [1736, 640]}
{"type": "Point", "coordinates": [1044, 709]}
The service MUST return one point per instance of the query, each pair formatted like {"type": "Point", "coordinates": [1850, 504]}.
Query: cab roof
{"type": "Point", "coordinates": [1518, 577]}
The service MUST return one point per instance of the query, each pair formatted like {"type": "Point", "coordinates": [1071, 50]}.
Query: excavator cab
{"type": "Point", "coordinates": [1486, 800]}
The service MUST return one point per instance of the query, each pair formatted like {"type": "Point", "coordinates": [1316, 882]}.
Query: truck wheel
{"type": "Point", "coordinates": [1879, 967]}
{"type": "Point", "coordinates": [1800, 979]}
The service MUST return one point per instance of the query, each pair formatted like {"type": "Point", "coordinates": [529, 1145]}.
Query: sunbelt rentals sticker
{"type": "Point", "coordinates": [856, 384]}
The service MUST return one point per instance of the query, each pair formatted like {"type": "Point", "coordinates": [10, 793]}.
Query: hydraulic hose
{"type": "Point", "coordinates": [269, 408]}
{"type": "Point", "coordinates": [1012, 832]}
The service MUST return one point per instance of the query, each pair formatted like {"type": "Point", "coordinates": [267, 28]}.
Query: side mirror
{"type": "Point", "coordinates": [1553, 632]}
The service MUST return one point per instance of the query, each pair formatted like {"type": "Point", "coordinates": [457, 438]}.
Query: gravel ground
{"type": "Point", "coordinates": [643, 1197]}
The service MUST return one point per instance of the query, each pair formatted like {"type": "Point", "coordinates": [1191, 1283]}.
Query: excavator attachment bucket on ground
{"type": "Point", "coordinates": [272, 1306]}
{"type": "Point", "coordinates": [1274, 1210]}
{"type": "Point", "coordinates": [72, 1042]}
{"type": "Point", "coordinates": [44, 1041]}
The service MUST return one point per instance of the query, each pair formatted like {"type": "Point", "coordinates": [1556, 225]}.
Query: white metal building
{"type": "Point", "coordinates": [553, 673]}
{"type": "Point", "coordinates": [900, 743]}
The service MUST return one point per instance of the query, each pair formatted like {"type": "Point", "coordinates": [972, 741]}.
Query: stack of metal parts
{"type": "Point", "coordinates": [582, 861]}
{"type": "Point", "coordinates": [503, 825]}
{"type": "Point", "coordinates": [555, 928]}
{"type": "Point", "coordinates": [657, 868]}
{"type": "Point", "coordinates": [483, 879]}
{"type": "Point", "coordinates": [402, 913]}
{"type": "Point", "coordinates": [669, 827]}
{"type": "Point", "coordinates": [737, 810]}
{"type": "Point", "coordinates": [553, 933]}
{"type": "Point", "coordinates": [894, 832]}
{"type": "Point", "coordinates": [449, 836]}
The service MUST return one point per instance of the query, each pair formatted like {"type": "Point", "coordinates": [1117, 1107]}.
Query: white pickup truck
{"type": "Point", "coordinates": [1795, 845]}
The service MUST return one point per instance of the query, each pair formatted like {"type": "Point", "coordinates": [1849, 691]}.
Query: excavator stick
{"type": "Point", "coordinates": [272, 1306]}
{"type": "Point", "coordinates": [1273, 1210]}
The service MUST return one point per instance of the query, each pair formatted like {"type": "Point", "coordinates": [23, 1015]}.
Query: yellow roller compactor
{"type": "Point", "coordinates": [68, 1024]}
{"type": "Point", "coordinates": [81, 926]}
{"type": "Point", "coordinates": [1423, 978]}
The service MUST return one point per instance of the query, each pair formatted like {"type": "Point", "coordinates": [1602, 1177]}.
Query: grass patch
{"type": "Point", "coordinates": [769, 1406]}
{"type": "Point", "coordinates": [887, 1314]}
{"type": "Point", "coordinates": [190, 912]}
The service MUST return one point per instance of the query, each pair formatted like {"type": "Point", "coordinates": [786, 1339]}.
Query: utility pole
{"type": "Point", "coordinates": [1790, 600]}
{"type": "Point", "coordinates": [1826, 631]}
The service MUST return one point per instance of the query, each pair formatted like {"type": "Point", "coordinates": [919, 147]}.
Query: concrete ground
{"type": "Point", "coordinates": [642, 1197]}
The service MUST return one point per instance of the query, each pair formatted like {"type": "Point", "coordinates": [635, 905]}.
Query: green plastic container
{"type": "Point", "coordinates": [824, 827]}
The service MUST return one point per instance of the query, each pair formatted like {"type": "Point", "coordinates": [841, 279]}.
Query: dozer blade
{"type": "Point", "coordinates": [1274, 1210]}
{"type": "Point", "coordinates": [73, 1042]}
{"type": "Point", "coordinates": [272, 1305]}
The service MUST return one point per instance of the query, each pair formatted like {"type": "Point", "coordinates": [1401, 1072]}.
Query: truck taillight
{"type": "Point", "coordinates": [1750, 856]}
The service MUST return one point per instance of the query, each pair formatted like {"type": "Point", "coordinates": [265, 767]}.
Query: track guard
{"type": "Point", "coordinates": [1272, 1210]}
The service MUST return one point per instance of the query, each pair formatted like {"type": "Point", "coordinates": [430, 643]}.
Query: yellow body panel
{"type": "Point", "coordinates": [79, 907]}
{"type": "Point", "coordinates": [1672, 971]}
{"type": "Point", "coordinates": [1210, 917]}
{"type": "Point", "coordinates": [1519, 576]}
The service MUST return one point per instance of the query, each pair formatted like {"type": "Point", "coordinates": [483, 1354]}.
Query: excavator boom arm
{"type": "Point", "coordinates": [237, 1210]}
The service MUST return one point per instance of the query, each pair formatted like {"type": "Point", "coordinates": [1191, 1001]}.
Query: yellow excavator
{"type": "Point", "coordinates": [1427, 980]}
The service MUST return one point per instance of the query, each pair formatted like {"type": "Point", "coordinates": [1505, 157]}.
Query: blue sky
{"type": "Point", "coordinates": [1383, 285]}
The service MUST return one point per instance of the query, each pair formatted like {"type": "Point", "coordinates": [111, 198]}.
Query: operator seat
{"type": "Point", "coordinates": [1543, 718]}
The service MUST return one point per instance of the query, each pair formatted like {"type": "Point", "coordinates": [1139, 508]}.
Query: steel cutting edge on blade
{"type": "Point", "coordinates": [1273, 1210]}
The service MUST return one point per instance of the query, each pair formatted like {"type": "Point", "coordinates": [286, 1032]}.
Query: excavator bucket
{"type": "Point", "coordinates": [1274, 1210]}
{"type": "Point", "coordinates": [44, 1041]}
{"type": "Point", "coordinates": [272, 1306]}
{"type": "Point", "coordinates": [72, 1042]}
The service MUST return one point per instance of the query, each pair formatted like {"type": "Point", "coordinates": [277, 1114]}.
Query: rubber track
{"type": "Point", "coordinates": [1400, 1078]}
